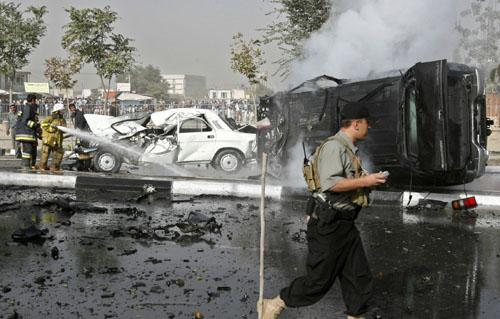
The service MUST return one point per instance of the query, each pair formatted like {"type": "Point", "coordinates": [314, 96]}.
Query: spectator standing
{"type": "Point", "coordinates": [113, 109]}
{"type": "Point", "coordinates": [79, 123]}
{"type": "Point", "coordinates": [11, 130]}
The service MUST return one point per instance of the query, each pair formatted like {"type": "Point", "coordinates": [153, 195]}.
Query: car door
{"type": "Point", "coordinates": [196, 140]}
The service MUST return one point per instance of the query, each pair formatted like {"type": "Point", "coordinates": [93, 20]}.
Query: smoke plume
{"type": "Point", "coordinates": [366, 36]}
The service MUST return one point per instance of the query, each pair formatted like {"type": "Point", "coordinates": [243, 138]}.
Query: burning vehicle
{"type": "Point", "coordinates": [431, 126]}
{"type": "Point", "coordinates": [175, 136]}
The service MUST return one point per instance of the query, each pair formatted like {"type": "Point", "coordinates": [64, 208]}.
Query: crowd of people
{"type": "Point", "coordinates": [241, 111]}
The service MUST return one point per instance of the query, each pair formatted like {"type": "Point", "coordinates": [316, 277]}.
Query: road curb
{"type": "Point", "coordinates": [38, 180]}
{"type": "Point", "coordinates": [195, 187]}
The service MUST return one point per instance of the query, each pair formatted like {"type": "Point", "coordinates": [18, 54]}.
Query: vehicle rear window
{"type": "Point", "coordinates": [194, 126]}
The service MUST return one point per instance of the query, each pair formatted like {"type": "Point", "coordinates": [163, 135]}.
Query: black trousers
{"type": "Point", "coordinates": [335, 251]}
{"type": "Point", "coordinates": [28, 154]}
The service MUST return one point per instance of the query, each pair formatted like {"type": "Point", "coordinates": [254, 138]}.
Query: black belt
{"type": "Point", "coordinates": [338, 215]}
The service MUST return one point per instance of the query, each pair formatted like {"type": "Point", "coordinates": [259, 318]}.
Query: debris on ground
{"type": "Point", "coordinates": [428, 204]}
{"type": "Point", "coordinates": [128, 252]}
{"type": "Point", "coordinates": [198, 315]}
{"type": "Point", "coordinates": [129, 211]}
{"type": "Point", "coordinates": [6, 206]}
{"type": "Point", "coordinates": [63, 204]}
{"type": "Point", "coordinates": [32, 233]}
{"type": "Point", "coordinates": [54, 252]}
{"type": "Point", "coordinates": [300, 236]}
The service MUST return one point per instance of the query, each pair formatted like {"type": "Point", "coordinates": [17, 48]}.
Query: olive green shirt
{"type": "Point", "coordinates": [334, 163]}
{"type": "Point", "coordinates": [12, 120]}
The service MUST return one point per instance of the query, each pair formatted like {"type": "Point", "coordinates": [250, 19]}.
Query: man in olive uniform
{"type": "Point", "coordinates": [52, 138]}
{"type": "Point", "coordinates": [335, 247]}
{"type": "Point", "coordinates": [26, 131]}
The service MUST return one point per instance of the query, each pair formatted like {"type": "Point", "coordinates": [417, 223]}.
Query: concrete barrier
{"type": "Point", "coordinates": [224, 188]}
{"type": "Point", "coordinates": [38, 180]}
{"type": "Point", "coordinates": [195, 187]}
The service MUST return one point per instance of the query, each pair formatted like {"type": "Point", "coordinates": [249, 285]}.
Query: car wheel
{"type": "Point", "coordinates": [229, 161]}
{"type": "Point", "coordinates": [106, 162]}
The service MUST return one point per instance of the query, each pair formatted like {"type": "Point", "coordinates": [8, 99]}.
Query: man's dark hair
{"type": "Point", "coordinates": [31, 97]}
{"type": "Point", "coordinates": [72, 105]}
{"type": "Point", "coordinates": [345, 123]}
{"type": "Point", "coordinates": [12, 105]}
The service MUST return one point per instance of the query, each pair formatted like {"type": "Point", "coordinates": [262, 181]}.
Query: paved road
{"type": "Point", "coordinates": [427, 264]}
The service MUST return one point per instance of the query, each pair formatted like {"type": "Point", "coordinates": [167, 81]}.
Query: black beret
{"type": "Point", "coordinates": [354, 111]}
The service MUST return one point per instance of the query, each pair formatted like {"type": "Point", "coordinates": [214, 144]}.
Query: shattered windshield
{"type": "Point", "coordinates": [229, 122]}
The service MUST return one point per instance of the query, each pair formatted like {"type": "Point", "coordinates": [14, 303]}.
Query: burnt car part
{"type": "Point", "coordinates": [431, 126]}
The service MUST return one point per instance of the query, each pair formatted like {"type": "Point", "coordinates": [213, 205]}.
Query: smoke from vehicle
{"type": "Point", "coordinates": [366, 36]}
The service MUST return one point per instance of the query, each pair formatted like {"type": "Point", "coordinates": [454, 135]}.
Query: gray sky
{"type": "Point", "coordinates": [177, 36]}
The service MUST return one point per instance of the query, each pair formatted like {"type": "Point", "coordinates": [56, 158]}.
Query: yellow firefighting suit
{"type": "Point", "coordinates": [52, 141]}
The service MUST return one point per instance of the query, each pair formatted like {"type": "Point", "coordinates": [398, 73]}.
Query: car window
{"type": "Point", "coordinates": [194, 126]}
{"type": "Point", "coordinates": [411, 118]}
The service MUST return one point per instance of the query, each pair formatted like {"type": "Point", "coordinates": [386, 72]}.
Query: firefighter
{"type": "Point", "coordinates": [335, 247]}
{"type": "Point", "coordinates": [27, 130]}
{"type": "Point", "coordinates": [52, 138]}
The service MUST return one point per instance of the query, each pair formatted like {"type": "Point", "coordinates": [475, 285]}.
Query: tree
{"type": "Point", "coordinates": [295, 20]}
{"type": "Point", "coordinates": [19, 36]}
{"type": "Point", "coordinates": [60, 72]}
{"type": "Point", "coordinates": [247, 59]}
{"type": "Point", "coordinates": [481, 41]}
{"type": "Point", "coordinates": [89, 36]}
{"type": "Point", "coordinates": [146, 80]}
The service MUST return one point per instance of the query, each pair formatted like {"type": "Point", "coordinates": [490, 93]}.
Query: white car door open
{"type": "Point", "coordinates": [196, 141]}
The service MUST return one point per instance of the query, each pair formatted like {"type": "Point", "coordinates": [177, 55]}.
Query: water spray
{"type": "Point", "coordinates": [105, 143]}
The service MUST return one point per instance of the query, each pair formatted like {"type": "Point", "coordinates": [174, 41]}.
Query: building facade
{"type": "Point", "coordinates": [236, 94]}
{"type": "Point", "coordinates": [219, 94]}
{"type": "Point", "coordinates": [18, 85]}
{"type": "Point", "coordinates": [186, 85]}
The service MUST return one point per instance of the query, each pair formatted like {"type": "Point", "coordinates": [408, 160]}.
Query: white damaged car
{"type": "Point", "coordinates": [182, 136]}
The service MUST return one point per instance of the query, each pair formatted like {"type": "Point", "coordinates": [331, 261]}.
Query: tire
{"type": "Point", "coordinates": [106, 162]}
{"type": "Point", "coordinates": [228, 161]}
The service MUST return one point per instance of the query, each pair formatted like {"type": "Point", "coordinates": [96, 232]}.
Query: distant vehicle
{"type": "Point", "coordinates": [431, 129]}
{"type": "Point", "coordinates": [181, 136]}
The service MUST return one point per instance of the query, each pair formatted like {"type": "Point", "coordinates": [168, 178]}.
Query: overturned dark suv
{"type": "Point", "coordinates": [431, 126]}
